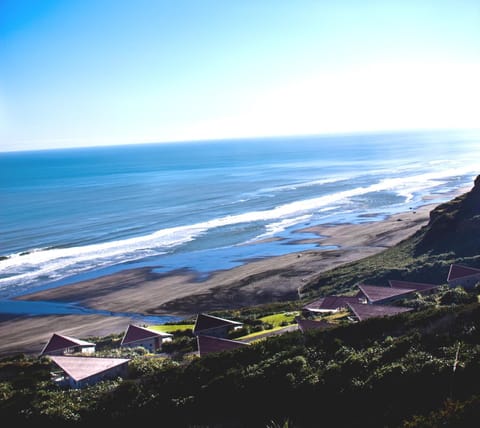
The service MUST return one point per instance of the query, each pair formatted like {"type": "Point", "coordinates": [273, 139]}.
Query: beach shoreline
{"type": "Point", "coordinates": [184, 294]}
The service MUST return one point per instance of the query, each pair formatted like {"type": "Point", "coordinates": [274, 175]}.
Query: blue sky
{"type": "Point", "coordinates": [94, 72]}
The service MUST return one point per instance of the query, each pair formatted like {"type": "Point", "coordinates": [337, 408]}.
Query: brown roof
{"type": "Point", "coordinates": [419, 286]}
{"type": "Point", "coordinates": [208, 344]}
{"type": "Point", "coordinates": [459, 271]}
{"type": "Point", "coordinates": [207, 322]}
{"type": "Point", "coordinates": [375, 293]}
{"type": "Point", "coordinates": [59, 342]}
{"type": "Point", "coordinates": [330, 303]}
{"type": "Point", "coordinates": [135, 333]}
{"type": "Point", "coordinates": [305, 325]}
{"type": "Point", "coordinates": [363, 311]}
{"type": "Point", "coordinates": [79, 368]}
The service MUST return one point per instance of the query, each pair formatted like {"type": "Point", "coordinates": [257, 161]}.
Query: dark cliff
{"type": "Point", "coordinates": [453, 226]}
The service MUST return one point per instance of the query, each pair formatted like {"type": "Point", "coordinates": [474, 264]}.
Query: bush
{"type": "Point", "coordinates": [457, 296]}
{"type": "Point", "coordinates": [180, 344]}
{"type": "Point", "coordinates": [140, 366]}
{"type": "Point", "coordinates": [239, 332]}
{"type": "Point", "coordinates": [123, 352]}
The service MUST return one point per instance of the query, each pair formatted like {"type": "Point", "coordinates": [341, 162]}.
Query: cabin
{"type": "Point", "coordinates": [305, 324]}
{"type": "Point", "coordinates": [375, 294]}
{"type": "Point", "coordinates": [209, 325]}
{"type": "Point", "coordinates": [141, 336]}
{"type": "Point", "coordinates": [329, 304]}
{"type": "Point", "coordinates": [463, 276]}
{"type": "Point", "coordinates": [420, 287]}
{"type": "Point", "coordinates": [59, 344]}
{"type": "Point", "coordinates": [78, 372]}
{"type": "Point", "coordinates": [210, 344]}
{"type": "Point", "coordinates": [362, 312]}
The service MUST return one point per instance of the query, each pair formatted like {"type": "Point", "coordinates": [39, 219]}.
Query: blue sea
{"type": "Point", "coordinates": [73, 214]}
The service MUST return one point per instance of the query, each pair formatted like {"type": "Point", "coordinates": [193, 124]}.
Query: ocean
{"type": "Point", "coordinates": [72, 214]}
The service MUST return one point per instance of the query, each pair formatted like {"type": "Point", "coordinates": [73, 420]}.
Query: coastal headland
{"type": "Point", "coordinates": [184, 294]}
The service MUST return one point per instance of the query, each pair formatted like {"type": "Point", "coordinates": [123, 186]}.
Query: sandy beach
{"type": "Point", "coordinates": [183, 294]}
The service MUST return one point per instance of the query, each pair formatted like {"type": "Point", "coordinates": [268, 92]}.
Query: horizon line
{"type": "Point", "coordinates": [240, 138]}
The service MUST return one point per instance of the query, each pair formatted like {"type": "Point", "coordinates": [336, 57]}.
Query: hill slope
{"type": "Point", "coordinates": [451, 236]}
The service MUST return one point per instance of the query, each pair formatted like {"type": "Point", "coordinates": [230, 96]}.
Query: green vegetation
{"type": "Point", "coordinates": [257, 327]}
{"type": "Point", "coordinates": [260, 333]}
{"type": "Point", "coordinates": [172, 328]}
{"type": "Point", "coordinates": [402, 364]}
{"type": "Point", "coordinates": [247, 314]}
{"type": "Point", "coordinates": [280, 319]}
{"type": "Point", "coordinates": [336, 317]}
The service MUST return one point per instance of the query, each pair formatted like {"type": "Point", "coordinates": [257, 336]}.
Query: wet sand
{"type": "Point", "coordinates": [184, 294]}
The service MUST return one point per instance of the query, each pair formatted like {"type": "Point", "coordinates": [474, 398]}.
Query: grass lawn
{"type": "Point", "coordinates": [171, 328]}
{"type": "Point", "coordinates": [259, 333]}
{"type": "Point", "coordinates": [277, 319]}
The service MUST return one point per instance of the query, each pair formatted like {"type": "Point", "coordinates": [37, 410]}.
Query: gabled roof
{"type": "Point", "coordinates": [459, 271]}
{"type": "Point", "coordinates": [418, 286]}
{"type": "Point", "coordinates": [59, 342]}
{"type": "Point", "coordinates": [375, 293]}
{"type": "Point", "coordinates": [136, 333]}
{"type": "Point", "coordinates": [79, 368]}
{"type": "Point", "coordinates": [305, 324]}
{"type": "Point", "coordinates": [363, 312]}
{"type": "Point", "coordinates": [330, 303]}
{"type": "Point", "coordinates": [209, 344]}
{"type": "Point", "coordinates": [207, 322]}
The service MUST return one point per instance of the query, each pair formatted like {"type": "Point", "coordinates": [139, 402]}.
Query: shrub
{"type": "Point", "coordinates": [457, 296]}
{"type": "Point", "coordinates": [180, 344]}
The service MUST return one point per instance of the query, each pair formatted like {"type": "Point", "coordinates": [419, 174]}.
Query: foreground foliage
{"type": "Point", "coordinates": [395, 372]}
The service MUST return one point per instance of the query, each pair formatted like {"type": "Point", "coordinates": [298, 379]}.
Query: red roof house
{"type": "Point", "coordinates": [375, 294]}
{"type": "Point", "coordinates": [419, 287]}
{"type": "Point", "coordinates": [464, 276]}
{"type": "Point", "coordinates": [210, 325]}
{"type": "Point", "coordinates": [63, 345]}
{"type": "Point", "coordinates": [210, 344]}
{"type": "Point", "coordinates": [330, 304]}
{"type": "Point", "coordinates": [363, 312]}
{"type": "Point", "coordinates": [81, 371]}
{"type": "Point", "coordinates": [141, 336]}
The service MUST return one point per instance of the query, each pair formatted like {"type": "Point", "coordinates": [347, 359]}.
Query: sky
{"type": "Point", "coordinates": [96, 72]}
